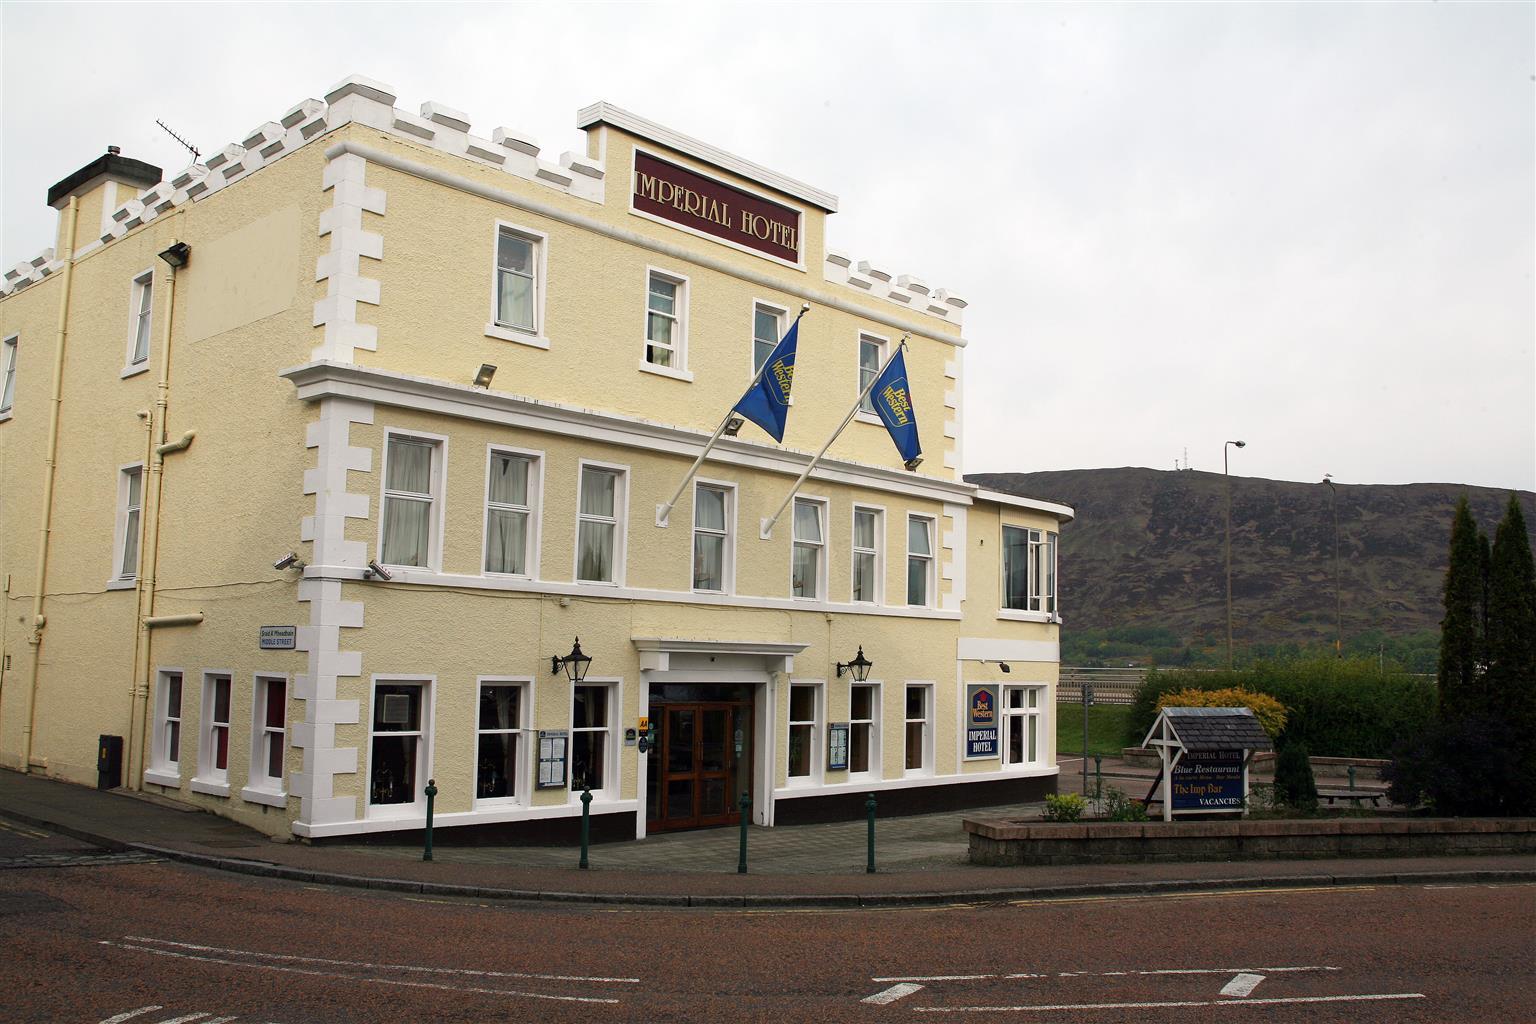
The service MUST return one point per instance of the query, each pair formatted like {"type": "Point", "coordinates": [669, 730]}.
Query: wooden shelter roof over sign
{"type": "Point", "coordinates": [1215, 729]}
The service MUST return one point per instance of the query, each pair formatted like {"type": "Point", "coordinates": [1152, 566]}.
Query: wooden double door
{"type": "Point", "coordinates": [701, 764]}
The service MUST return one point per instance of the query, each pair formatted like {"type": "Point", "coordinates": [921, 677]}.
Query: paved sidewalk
{"type": "Point", "coordinates": [920, 859]}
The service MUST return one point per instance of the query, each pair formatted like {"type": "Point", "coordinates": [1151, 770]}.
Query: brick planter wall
{"type": "Point", "coordinates": [997, 842]}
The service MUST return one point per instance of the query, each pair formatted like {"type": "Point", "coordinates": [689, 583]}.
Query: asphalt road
{"type": "Point", "coordinates": [115, 940]}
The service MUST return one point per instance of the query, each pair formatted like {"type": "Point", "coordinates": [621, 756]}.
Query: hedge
{"type": "Point", "coordinates": [1337, 708]}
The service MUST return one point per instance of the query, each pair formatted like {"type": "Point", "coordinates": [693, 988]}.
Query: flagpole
{"type": "Point", "coordinates": [665, 510]}
{"type": "Point", "coordinates": [768, 524]}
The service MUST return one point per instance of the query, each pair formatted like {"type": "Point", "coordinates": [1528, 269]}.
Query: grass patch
{"type": "Point", "coordinates": [1106, 729]}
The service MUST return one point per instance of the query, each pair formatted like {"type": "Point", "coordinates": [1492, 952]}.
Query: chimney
{"type": "Point", "coordinates": [103, 185]}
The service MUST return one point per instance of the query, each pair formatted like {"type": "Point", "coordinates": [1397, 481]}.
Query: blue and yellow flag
{"type": "Point", "coordinates": [893, 404]}
{"type": "Point", "coordinates": [766, 402]}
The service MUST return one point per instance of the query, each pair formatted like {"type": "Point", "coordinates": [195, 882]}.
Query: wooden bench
{"type": "Point", "coordinates": [1354, 796]}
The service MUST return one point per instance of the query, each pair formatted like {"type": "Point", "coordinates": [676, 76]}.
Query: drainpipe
{"type": "Point", "coordinates": [149, 556]}
{"type": "Point", "coordinates": [51, 464]}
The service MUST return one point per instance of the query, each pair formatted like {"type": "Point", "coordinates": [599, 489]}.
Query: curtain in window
{"type": "Point", "coordinates": [509, 480]}
{"type": "Point", "coordinates": [506, 541]}
{"type": "Point", "coordinates": [807, 522]}
{"type": "Point", "coordinates": [405, 531]}
{"type": "Point", "coordinates": [597, 493]}
{"type": "Point", "coordinates": [410, 466]}
{"type": "Point", "coordinates": [514, 282]}
{"type": "Point", "coordinates": [131, 527]}
{"type": "Point", "coordinates": [864, 530]}
{"type": "Point", "coordinates": [708, 561]}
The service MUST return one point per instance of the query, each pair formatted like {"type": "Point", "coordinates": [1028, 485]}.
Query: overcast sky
{"type": "Point", "coordinates": [1308, 227]}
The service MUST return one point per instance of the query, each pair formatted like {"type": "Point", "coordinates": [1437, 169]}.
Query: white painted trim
{"type": "Point", "coordinates": [209, 787]}
{"type": "Point", "coordinates": [268, 797]}
{"type": "Point", "coordinates": [159, 763]}
{"type": "Point", "coordinates": [120, 525]}
{"type": "Point", "coordinates": [396, 812]}
{"type": "Point", "coordinates": [262, 782]}
{"type": "Point", "coordinates": [1019, 615]}
{"type": "Point", "coordinates": [523, 787]}
{"type": "Point", "coordinates": [931, 584]}
{"type": "Point", "coordinates": [325, 379]}
{"type": "Point", "coordinates": [535, 538]}
{"type": "Point", "coordinates": [728, 555]}
{"type": "Point", "coordinates": [686, 376]}
{"type": "Point", "coordinates": [782, 312]}
{"type": "Point", "coordinates": [858, 369]}
{"type": "Point", "coordinates": [133, 370]}
{"type": "Point", "coordinates": [540, 242]}
{"type": "Point", "coordinates": [877, 732]}
{"type": "Point", "coordinates": [161, 777]}
{"type": "Point", "coordinates": [880, 546]}
{"type": "Point", "coordinates": [680, 316]}
{"type": "Point", "coordinates": [816, 779]}
{"type": "Point", "coordinates": [341, 267]}
{"type": "Point", "coordinates": [136, 287]}
{"type": "Point", "coordinates": [603, 112]}
{"type": "Point", "coordinates": [212, 780]}
{"type": "Point", "coordinates": [620, 530]}
{"type": "Point", "coordinates": [122, 584]}
{"type": "Point", "coordinates": [439, 513]}
{"type": "Point", "coordinates": [824, 566]}
{"type": "Point", "coordinates": [913, 782]}
{"type": "Point", "coordinates": [1063, 513]}
{"type": "Point", "coordinates": [517, 337]}
{"type": "Point", "coordinates": [976, 648]}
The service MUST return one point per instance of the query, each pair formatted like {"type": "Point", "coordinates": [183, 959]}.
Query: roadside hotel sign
{"type": "Point", "coordinates": [1204, 755]}
{"type": "Point", "coordinates": [711, 207]}
{"type": "Point", "coordinates": [981, 722]}
{"type": "Point", "coordinates": [277, 638]}
{"type": "Point", "coordinates": [1209, 780]}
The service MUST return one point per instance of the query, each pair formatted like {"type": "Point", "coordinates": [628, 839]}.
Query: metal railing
{"type": "Point", "coordinates": [1108, 685]}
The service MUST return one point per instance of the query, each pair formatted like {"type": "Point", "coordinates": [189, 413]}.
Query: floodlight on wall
{"type": "Point", "coordinates": [859, 666]}
{"type": "Point", "coordinates": [733, 426]}
{"type": "Point", "coordinates": [483, 377]}
{"type": "Point", "coordinates": [575, 663]}
{"type": "Point", "coordinates": [375, 569]}
{"type": "Point", "coordinates": [177, 255]}
{"type": "Point", "coordinates": [289, 561]}
{"type": "Point", "coordinates": [911, 464]}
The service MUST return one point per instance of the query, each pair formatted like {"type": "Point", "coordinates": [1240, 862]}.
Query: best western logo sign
{"type": "Point", "coordinates": [714, 208]}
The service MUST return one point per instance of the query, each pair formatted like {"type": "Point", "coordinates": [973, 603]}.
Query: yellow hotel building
{"type": "Point", "coordinates": [319, 456]}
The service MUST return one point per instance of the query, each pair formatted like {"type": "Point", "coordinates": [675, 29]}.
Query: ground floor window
{"type": "Point", "coordinates": [397, 744]}
{"type": "Point", "coordinates": [167, 753]}
{"type": "Point", "coordinates": [591, 736]}
{"type": "Point", "coordinates": [499, 743]}
{"type": "Point", "coordinates": [919, 728]}
{"type": "Point", "coordinates": [270, 709]}
{"type": "Point", "coordinates": [863, 728]}
{"type": "Point", "coordinates": [1021, 725]}
{"type": "Point", "coordinates": [215, 746]}
{"type": "Point", "coordinates": [803, 732]}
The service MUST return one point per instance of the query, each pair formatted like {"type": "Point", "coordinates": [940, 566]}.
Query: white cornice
{"type": "Point", "coordinates": [680, 646]}
{"type": "Point", "coordinates": [606, 113]}
{"type": "Point", "coordinates": [324, 379]}
{"type": "Point", "coordinates": [1065, 513]}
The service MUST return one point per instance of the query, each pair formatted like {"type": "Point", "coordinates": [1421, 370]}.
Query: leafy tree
{"type": "Point", "coordinates": [1294, 783]}
{"type": "Point", "coordinates": [1461, 633]}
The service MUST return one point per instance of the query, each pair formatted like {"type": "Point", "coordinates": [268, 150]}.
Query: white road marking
{"type": "Point", "coordinates": [1061, 1007]}
{"type": "Point", "coordinates": [943, 977]}
{"type": "Point", "coordinates": [1104, 974]}
{"type": "Point", "coordinates": [1242, 985]}
{"type": "Point", "coordinates": [188, 1019]}
{"type": "Point", "coordinates": [891, 994]}
{"type": "Point", "coordinates": [354, 977]}
{"type": "Point", "coordinates": [376, 967]}
{"type": "Point", "coordinates": [119, 1018]}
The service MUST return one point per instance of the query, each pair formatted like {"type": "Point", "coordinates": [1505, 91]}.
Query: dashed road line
{"type": "Point", "coordinates": [129, 1015]}
{"type": "Point", "coordinates": [1171, 1004]}
{"type": "Point", "coordinates": [1108, 974]}
{"type": "Point", "coordinates": [892, 994]}
{"type": "Point", "coordinates": [1242, 985]}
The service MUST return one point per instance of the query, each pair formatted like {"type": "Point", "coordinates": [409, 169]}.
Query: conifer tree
{"type": "Point", "coordinates": [1461, 640]}
{"type": "Point", "coordinates": [1511, 678]}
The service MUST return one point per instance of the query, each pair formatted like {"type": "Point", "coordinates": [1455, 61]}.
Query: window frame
{"type": "Point", "coordinates": [866, 412]}
{"type": "Point", "coordinates": [141, 284]}
{"type": "Point", "coordinates": [612, 770]}
{"type": "Point", "coordinates": [679, 347]}
{"type": "Point", "coordinates": [818, 724]}
{"type": "Point", "coordinates": [210, 778]}
{"type": "Point", "coordinates": [728, 548]}
{"type": "Point", "coordinates": [161, 763]}
{"type": "Point", "coordinates": [926, 768]}
{"type": "Point", "coordinates": [781, 317]}
{"type": "Point", "coordinates": [10, 352]}
{"type": "Point", "coordinates": [428, 685]}
{"type": "Point", "coordinates": [930, 575]}
{"type": "Point", "coordinates": [435, 518]}
{"type": "Point", "coordinates": [261, 787]}
{"type": "Point", "coordinates": [1041, 551]}
{"type": "Point", "coordinates": [823, 507]}
{"type": "Point", "coordinates": [621, 522]}
{"type": "Point", "coordinates": [527, 748]}
{"type": "Point", "coordinates": [535, 509]}
{"type": "Point", "coordinates": [493, 327]}
{"type": "Point", "coordinates": [120, 528]}
{"type": "Point", "coordinates": [877, 703]}
{"type": "Point", "coordinates": [1028, 713]}
{"type": "Point", "coordinates": [878, 551]}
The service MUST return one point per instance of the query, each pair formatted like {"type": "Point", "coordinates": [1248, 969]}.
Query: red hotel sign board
{"type": "Point", "coordinates": [714, 208]}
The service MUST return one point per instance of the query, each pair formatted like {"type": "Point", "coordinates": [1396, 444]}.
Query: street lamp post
{"type": "Point", "coordinates": [1338, 596]}
{"type": "Point", "coordinates": [1227, 487]}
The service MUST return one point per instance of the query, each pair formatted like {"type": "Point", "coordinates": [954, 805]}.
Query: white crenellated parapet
{"type": "Point", "coordinates": [869, 278]}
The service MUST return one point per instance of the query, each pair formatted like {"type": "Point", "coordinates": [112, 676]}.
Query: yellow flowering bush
{"type": "Point", "coordinates": [1270, 712]}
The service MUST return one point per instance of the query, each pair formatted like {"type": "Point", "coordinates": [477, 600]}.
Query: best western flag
{"type": "Point", "coordinates": [766, 402]}
{"type": "Point", "coordinates": [893, 404]}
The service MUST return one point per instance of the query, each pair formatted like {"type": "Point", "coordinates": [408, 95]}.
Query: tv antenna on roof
{"type": "Point", "coordinates": [190, 148]}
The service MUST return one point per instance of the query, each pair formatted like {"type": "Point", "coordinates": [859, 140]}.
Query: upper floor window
{"type": "Point", "coordinates": [871, 350]}
{"type": "Point", "coordinates": [808, 564]}
{"type": "Point", "coordinates": [143, 304]}
{"type": "Point", "coordinates": [599, 529]}
{"type": "Point", "coordinates": [919, 561]}
{"type": "Point", "coordinates": [767, 329]}
{"type": "Point", "coordinates": [666, 321]}
{"type": "Point", "coordinates": [517, 280]}
{"type": "Point", "coordinates": [130, 503]}
{"type": "Point", "coordinates": [509, 513]}
{"type": "Point", "coordinates": [410, 499]}
{"type": "Point", "coordinates": [867, 535]}
{"type": "Point", "coordinates": [711, 537]}
{"type": "Point", "coordinates": [1029, 569]}
{"type": "Point", "coordinates": [8, 365]}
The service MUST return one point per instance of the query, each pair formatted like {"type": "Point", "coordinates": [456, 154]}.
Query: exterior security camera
{"type": "Point", "coordinates": [375, 569]}
{"type": "Point", "coordinates": [288, 561]}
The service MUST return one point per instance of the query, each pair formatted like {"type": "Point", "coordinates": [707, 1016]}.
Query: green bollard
{"type": "Point", "coordinates": [431, 791]}
{"type": "Point", "coordinates": [586, 825]}
{"type": "Point", "coordinates": [1098, 776]}
{"type": "Point", "coordinates": [746, 819]}
{"type": "Point", "coordinates": [869, 809]}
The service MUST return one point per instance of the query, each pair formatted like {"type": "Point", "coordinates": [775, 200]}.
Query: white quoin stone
{"type": "Point", "coordinates": [445, 115]}
{"type": "Point", "coordinates": [303, 111]}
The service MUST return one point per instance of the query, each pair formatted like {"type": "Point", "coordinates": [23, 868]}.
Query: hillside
{"type": "Point", "coordinates": [1144, 556]}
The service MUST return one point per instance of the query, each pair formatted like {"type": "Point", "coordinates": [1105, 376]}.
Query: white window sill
{"type": "Point", "coordinates": [597, 583]}
{"type": "Point", "coordinates": [801, 782]}
{"type": "Point", "coordinates": [397, 812]}
{"type": "Point", "coordinates": [134, 370]}
{"type": "Point", "coordinates": [1016, 615]}
{"type": "Point", "coordinates": [122, 584]}
{"type": "Point", "coordinates": [5, 415]}
{"type": "Point", "coordinates": [666, 371]}
{"type": "Point", "coordinates": [868, 417]}
{"type": "Point", "coordinates": [210, 787]}
{"type": "Point", "coordinates": [163, 777]}
{"type": "Point", "coordinates": [263, 795]}
{"type": "Point", "coordinates": [505, 803]}
{"type": "Point", "coordinates": [514, 335]}
{"type": "Point", "coordinates": [919, 773]}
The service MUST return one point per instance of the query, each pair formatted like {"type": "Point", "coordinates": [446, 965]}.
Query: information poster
{"type": "Point", "coordinates": [552, 748]}
{"type": "Point", "coordinates": [981, 722]}
{"type": "Point", "coordinates": [1208, 780]}
{"type": "Point", "coordinates": [837, 747]}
